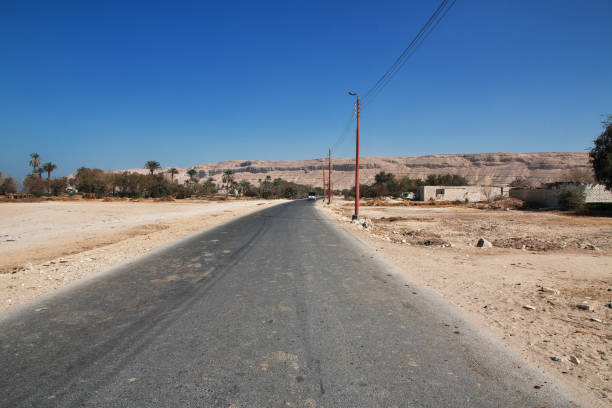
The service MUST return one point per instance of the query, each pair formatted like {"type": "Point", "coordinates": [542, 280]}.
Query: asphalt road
{"type": "Point", "coordinates": [280, 308]}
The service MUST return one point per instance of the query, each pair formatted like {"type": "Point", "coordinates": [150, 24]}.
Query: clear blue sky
{"type": "Point", "coordinates": [116, 83]}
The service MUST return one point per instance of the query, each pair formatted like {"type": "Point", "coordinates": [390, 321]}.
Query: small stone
{"type": "Point", "coordinates": [584, 307]}
{"type": "Point", "coordinates": [555, 358]}
{"type": "Point", "coordinates": [483, 243]}
{"type": "Point", "coordinates": [574, 360]}
{"type": "Point", "coordinates": [403, 241]}
{"type": "Point", "coordinates": [132, 380]}
{"type": "Point", "coordinates": [529, 307]}
{"type": "Point", "coordinates": [549, 290]}
{"type": "Point", "coordinates": [367, 223]}
{"type": "Point", "coordinates": [594, 319]}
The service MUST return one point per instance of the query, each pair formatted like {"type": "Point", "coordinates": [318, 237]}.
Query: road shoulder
{"type": "Point", "coordinates": [467, 286]}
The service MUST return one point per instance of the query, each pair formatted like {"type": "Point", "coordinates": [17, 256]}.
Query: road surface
{"type": "Point", "coordinates": [280, 308]}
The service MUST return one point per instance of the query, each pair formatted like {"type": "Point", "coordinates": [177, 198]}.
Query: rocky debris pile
{"type": "Point", "coordinates": [365, 223]}
{"type": "Point", "coordinates": [505, 203]}
{"type": "Point", "coordinates": [530, 243]}
{"type": "Point", "coordinates": [425, 238]}
{"type": "Point", "coordinates": [537, 244]}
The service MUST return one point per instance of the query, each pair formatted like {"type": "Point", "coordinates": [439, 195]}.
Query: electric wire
{"type": "Point", "coordinates": [373, 93]}
{"type": "Point", "coordinates": [398, 63]}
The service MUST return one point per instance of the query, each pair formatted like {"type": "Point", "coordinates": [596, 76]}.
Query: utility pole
{"type": "Point", "coordinates": [324, 191]}
{"type": "Point", "coordinates": [329, 185]}
{"type": "Point", "coordinates": [356, 215]}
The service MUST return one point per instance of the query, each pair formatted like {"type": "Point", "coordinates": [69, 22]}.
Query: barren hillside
{"type": "Point", "coordinates": [482, 168]}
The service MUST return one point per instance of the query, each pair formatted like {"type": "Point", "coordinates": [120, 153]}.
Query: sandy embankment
{"type": "Point", "coordinates": [570, 254]}
{"type": "Point", "coordinates": [47, 245]}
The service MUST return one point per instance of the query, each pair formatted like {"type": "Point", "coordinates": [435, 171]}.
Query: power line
{"type": "Point", "coordinates": [416, 42]}
{"type": "Point", "coordinates": [344, 133]}
{"type": "Point", "coordinates": [398, 64]}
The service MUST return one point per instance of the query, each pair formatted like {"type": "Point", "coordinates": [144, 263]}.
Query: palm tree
{"type": "Point", "coordinates": [228, 177]}
{"type": "Point", "coordinates": [191, 173]}
{"type": "Point", "coordinates": [48, 167]}
{"type": "Point", "coordinates": [173, 171]}
{"type": "Point", "coordinates": [244, 186]}
{"type": "Point", "coordinates": [35, 162]}
{"type": "Point", "coordinates": [152, 165]}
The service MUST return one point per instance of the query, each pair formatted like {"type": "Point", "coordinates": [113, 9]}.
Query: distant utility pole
{"type": "Point", "coordinates": [324, 191]}
{"type": "Point", "coordinates": [329, 185]}
{"type": "Point", "coordinates": [357, 111]}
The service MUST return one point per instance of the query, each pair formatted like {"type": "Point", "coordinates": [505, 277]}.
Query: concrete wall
{"type": "Point", "coordinates": [597, 194]}
{"type": "Point", "coordinates": [461, 193]}
{"type": "Point", "coordinates": [542, 197]}
{"type": "Point", "coordinates": [549, 197]}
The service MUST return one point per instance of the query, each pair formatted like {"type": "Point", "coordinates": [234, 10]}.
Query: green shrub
{"type": "Point", "coordinates": [58, 186]}
{"type": "Point", "coordinates": [571, 198]}
{"type": "Point", "coordinates": [34, 185]}
{"type": "Point", "coordinates": [8, 186]}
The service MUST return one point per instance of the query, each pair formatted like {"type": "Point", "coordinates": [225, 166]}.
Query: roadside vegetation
{"type": "Point", "coordinates": [387, 184]}
{"type": "Point", "coordinates": [601, 154]}
{"type": "Point", "coordinates": [158, 183]}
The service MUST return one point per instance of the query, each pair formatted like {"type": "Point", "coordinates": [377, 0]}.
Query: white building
{"type": "Point", "coordinates": [460, 193]}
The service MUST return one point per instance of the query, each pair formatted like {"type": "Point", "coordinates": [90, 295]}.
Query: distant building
{"type": "Point", "coordinates": [460, 193]}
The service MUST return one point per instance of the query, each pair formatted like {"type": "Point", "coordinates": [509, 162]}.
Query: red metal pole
{"type": "Point", "coordinates": [329, 192]}
{"type": "Point", "coordinates": [324, 191]}
{"type": "Point", "coordinates": [356, 216]}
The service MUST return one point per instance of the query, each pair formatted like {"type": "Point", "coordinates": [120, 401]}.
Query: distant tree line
{"type": "Point", "coordinates": [102, 183]}
{"type": "Point", "coordinates": [387, 184]}
{"type": "Point", "coordinates": [155, 184]}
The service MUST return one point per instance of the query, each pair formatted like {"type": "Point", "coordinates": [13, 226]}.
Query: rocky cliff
{"type": "Point", "coordinates": [482, 168]}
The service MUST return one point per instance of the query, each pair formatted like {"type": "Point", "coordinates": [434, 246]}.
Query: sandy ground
{"type": "Point", "coordinates": [47, 245]}
{"type": "Point", "coordinates": [571, 256]}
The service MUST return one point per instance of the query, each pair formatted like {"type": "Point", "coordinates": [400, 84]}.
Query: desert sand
{"type": "Point", "coordinates": [47, 245]}
{"type": "Point", "coordinates": [525, 290]}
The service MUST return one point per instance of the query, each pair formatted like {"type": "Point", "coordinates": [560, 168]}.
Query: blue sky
{"type": "Point", "coordinates": [114, 84]}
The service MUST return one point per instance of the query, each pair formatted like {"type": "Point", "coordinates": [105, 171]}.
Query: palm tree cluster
{"type": "Point", "coordinates": [33, 181]}
{"type": "Point", "coordinates": [38, 169]}
{"type": "Point", "coordinates": [154, 184]}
